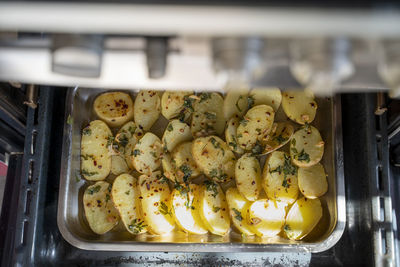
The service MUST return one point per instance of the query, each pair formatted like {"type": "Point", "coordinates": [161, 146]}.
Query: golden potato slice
{"type": "Point", "coordinates": [237, 208]}
{"type": "Point", "coordinates": [125, 195]}
{"type": "Point", "coordinates": [214, 158]}
{"type": "Point", "coordinates": [214, 209]}
{"type": "Point", "coordinates": [269, 96]}
{"type": "Point", "coordinates": [169, 168]}
{"type": "Point", "coordinates": [115, 108]}
{"type": "Point", "coordinates": [147, 109]}
{"type": "Point", "coordinates": [266, 217]}
{"type": "Point", "coordinates": [306, 147]}
{"type": "Point", "coordinates": [95, 154]}
{"type": "Point", "coordinates": [176, 132]}
{"type": "Point", "coordinates": [235, 102]}
{"type": "Point", "coordinates": [248, 177]}
{"type": "Point", "coordinates": [302, 217]}
{"type": "Point", "coordinates": [172, 103]}
{"type": "Point", "coordinates": [255, 126]}
{"type": "Point", "coordinates": [99, 208]}
{"type": "Point", "coordinates": [156, 204]}
{"type": "Point", "coordinates": [312, 181]}
{"type": "Point", "coordinates": [125, 141]}
{"type": "Point", "coordinates": [280, 178]}
{"type": "Point", "coordinates": [230, 135]}
{"type": "Point", "coordinates": [186, 216]}
{"type": "Point", "coordinates": [118, 165]}
{"type": "Point", "coordinates": [208, 117]}
{"type": "Point", "coordinates": [299, 106]}
{"type": "Point", "coordinates": [147, 154]}
{"type": "Point", "coordinates": [280, 135]}
{"type": "Point", "coordinates": [184, 162]}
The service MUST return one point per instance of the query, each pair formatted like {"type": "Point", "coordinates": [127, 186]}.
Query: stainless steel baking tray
{"type": "Point", "coordinates": [74, 228]}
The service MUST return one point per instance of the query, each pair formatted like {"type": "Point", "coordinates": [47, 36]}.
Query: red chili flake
{"type": "Point", "coordinates": [95, 163]}
{"type": "Point", "coordinates": [268, 113]}
{"type": "Point", "coordinates": [253, 183]}
{"type": "Point", "coordinates": [125, 106]}
{"type": "Point", "coordinates": [155, 204]}
{"type": "Point", "coordinates": [156, 191]}
{"type": "Point", "coordinates": [140, 197]}
{"type": "Point", "coordinates": [100, 166]}
{"type": "Point", "coordinates": [148, 186]}
{"type": "Point", "coordinates": [117, 104]}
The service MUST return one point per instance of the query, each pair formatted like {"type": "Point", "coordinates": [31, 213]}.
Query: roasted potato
{"type": "Point", "coordinates": [237, 209]}
{"type": "Point", "coordinates": [230, 135]}
{"type": "Point", "coordinates": [118, 165]}
{"type": "Point", "coordinates": [302, 217]}
{"type": "Point", "coordinates": [280, 135]}
{"type": "Point", "coordinates": [214, 210]}
{"type": "Point", "coordinates": [299, 106]}
{"type": "Point", "coordinates": [100, 212]}
{"type": "Point", "coordinates": [255, 126]}
{"type": "Point", "coordinates": [208, 117]}
{"type": "Point", "coordinates": [280, 178]}
{"type": "Point", "coordinates": [186, 215]}
{"type": "Point", "coordinates": [185, 164]}
{"type": "Point", "coordinates": [214, 158]}
{"type": "Point", "coordinates": [146, 157]}
{"type": "Point", "coordinates": [169, 169]}
{"type": "Point", "coordinates": [306, 147]}
{"type": "Point", "coordinates": [156, 203]}
{"type": "Point", "coordinates": [266, 217]}
{"type": "Point", "coordinates": [266, 96]}
{"type": "Point", "coordinates": [125, 195]}
{"type": "Point", "coordinates": [235, 102]}
{"type": "Point", "coordinates": [125, 142]}
{"type": "Point", "coordinates": [95, 154]}
{"type": "Point", "coordinates": [115, 108]}
{"type": "Point", "coordinates": [176, 132]}
{"type": "Point", "coordinates": [147, 109]}
{"type": "Point", "coordinates": [248, 177]}
{"type": "Point", "coordinates": [312, 181]}
{"type": "Point", "coordinates": [173, 104]}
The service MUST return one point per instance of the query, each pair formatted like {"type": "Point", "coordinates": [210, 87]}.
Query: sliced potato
{"type": "Point", "coordinates": [214, 209]}
{"type": "Point", "coordinates": [185, 214]}
{"type": "Point", "coordinates": [235, 102]}
{"type": "Point", "coordinates": [237, 208]}
{"type": "Point", "coordinates": [266, 217]}
{"type": "Point", "coordinates": [255, 126]}
{"type": "Point", "coordinates": [208, 117]}
{"type": "Point", "coordinates": [280, 178]}
{"type": "Point", "coordinates": [99, 209]}
{"type": "Point", "coordinates": [156, 204]}
{"type": "Point", "coordinates": [312, 181]}
{"type": "Point", "coordinates": [248, 177]}
{"type": "Point", "coordinates": [266, 96]}
{"type": "Point", "coordinates": [147, 154]}
{"type": "Point", "coordinates": [306, 147]}
{"type": "Point", "coordinates": [115, 108]}
{"type": "Point", "coordinates": [280, 135]}
{"type": "Point", "coordinates": [299, 106]}
{"type": "Point", "coordinates": [95, 154]}
{"type": "Point", "coordinates": [184, 162]}
{"type": "Point", "coordinates": [214, 158]}
{"type": "Point", "coordinates": [176, 132]}
{"type": "Point", "coordinates": [169, 169]}
{"type": "Point", "coordinates": [230, 135]}
{"type": "Point", "coordinates": [118, 165]}
{"type": "Point", "coordinates": [172, 103]}
{"type": "Point", "coordinates": [126, 140]}
{"type": "Point", "coordinates": [147, 109]}
{"type": "Point", "coordinates": [302, 217]}
{"type": "Point", "coordinates": [125, 195]}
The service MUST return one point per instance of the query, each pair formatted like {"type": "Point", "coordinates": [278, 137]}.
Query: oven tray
{"type": "Point", "coordinates": [73, 226]}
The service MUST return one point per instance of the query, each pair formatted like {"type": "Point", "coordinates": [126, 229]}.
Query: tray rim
{"type": "Point", "coordinates": [317, 247]}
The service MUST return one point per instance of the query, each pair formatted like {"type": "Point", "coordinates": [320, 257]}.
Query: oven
{"type": "Point", "coordinates": [55, 57]}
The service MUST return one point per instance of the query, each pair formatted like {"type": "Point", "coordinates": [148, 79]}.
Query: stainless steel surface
{"type": "Point", "coordinates": [31, 96]}
{"type": "Point", "coordinates": [74, 229]}
{"type": "Point", "coordinates": [156, 55]}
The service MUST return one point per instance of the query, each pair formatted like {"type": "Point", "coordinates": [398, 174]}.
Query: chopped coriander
{"type": "Point", "coordinates": [107, 197]}
{"type": "Point", "coordinates": [237, 103]}
{"type": "Point", "coordinates": [258, 130]}
{"type": "Point", "coordinates": [286, 228]}
{"type": "Point", "coordinates": [211, 187]}
{"type": "Point", "coordinates": [188, 103]}
{"type": "Point", "coordinates": [250, 101]}
{"type": "Point", "coordinates": [136, 152]}
{"type": "Point", "coordinates": [88, 173]}
{"type": "Point", "coordinates": [294, 150]}
{"type": "Point", "coordinates": [239, 136]}
{"type": "Point", "coordinates": [213, 172]}
{"type": "Point", "coordinates": [93, 190]}
{"type": "Point", "coordinates": [285, 184]}
{"type": "Point", "coordinates": [163, 209]}
{"type": "Point", "coordinates": [214, 142]}
{"type": "Point", "coordinates": [132, 129]}
{"type": "Point", "coordinates": [278, 170]}
{"type": "Point", "coordinates": [257, 149]}
{"type": "Point", "coordinates": [280, 139]}
{"type": "Point", "coordinates": [70, 120]}
{"type": "Point", "coordinates": [238, 215]}
{"type": "Point", "coordinates": [187, 172]}
{"type": "Point", "coordinates": [204, 97]}
{"type": "Point", "coordinates": [244, 121]}
{"type": "Point", "coordinates": [303, 156]}
{"type": "Point", "coordinates": [87, 131]}
{"type": "Point", "coordinates": [110, 140]}
{"type": "Point", "coordinates": [293, 142]}
{"type": "Point", "coordinates": [163, 179]}
{"type": "Point", "coordinates": [136, 226]}
{"type": "Point", "coordinates": [127, 192]}
{"type": "Point", "coordinates": [210, 116]}
{"type": "Point", "coordinates": [288, 167]}
{"type": "Point", "coordinates": [181, 116]}
{"type": "Point", "coordinates": [216, 209]}
{"type": "Point", "coordinates": [170, 128]}
{"type": "Point", "coordinates": [87, 156]}
{"type": "Point", "coordinates": [123, 141]}
{"type": "Point", "coordinates": [154, 154]}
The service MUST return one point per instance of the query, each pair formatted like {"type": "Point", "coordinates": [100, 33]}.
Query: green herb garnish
{"type": "Point", "coordinates": [88, 173]}
{"type": "Point", "coordinates": [257, 149]}
{"type": "Point", "coordinates": [170, 128]}
{"type": "Point", "coordinates": [163, 179]}
{"type": "Point", "coordinates": [293, 142]}
{"type": "Point", "coordinates": [93, 190]}
{"type": "Point", "coordinates": [87, 156]}
{"type": "Point", "coordinates": [188, 103]}
{"type": "Point", "coordinates": [136, 152]}
{"type": "Point", "coordinates": [163, 209]}
{"type": "Point", "coordinates": [244, 121]}
{"type": "Point", "coordinates": [286, 228]}
{"type": "Point", "coordinates": [210, 116]}
{"type": "Point", "coordinates": [123, 141]}
{"type": "Point", "coordinates": [154, 154]}
{"type": "Point", "coordinates": [211, 187]}
{"type": "Point", "coordinates": [216, 209]}
{"type": "Point", "coordinates": [132, 129]}
{"type": "Point", "coordinates": [238, 215]}
{"type": "Point", "coordinates": [87, 131]}
{"type": "Point", "coordinates": [187, 172]}
{"type": "Point", "coordinates": [204, 97]}
{"type": "Point", "coordinates": [303, 156]}
{"type": "Point", "coordinates": [250, 102]}
{"type": "Point", "coordinates": [127, 192]}
{"type": "Point", "coordinates": [237, 103]}
{"type": "Point", "coordinates": [136, 226]}
{"type": "Point", "coordinates": [107, 197]}
{"type": "Point", "coordinates": [280, 139]}
{"type": "Point", "coordinates": [110, 140]}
